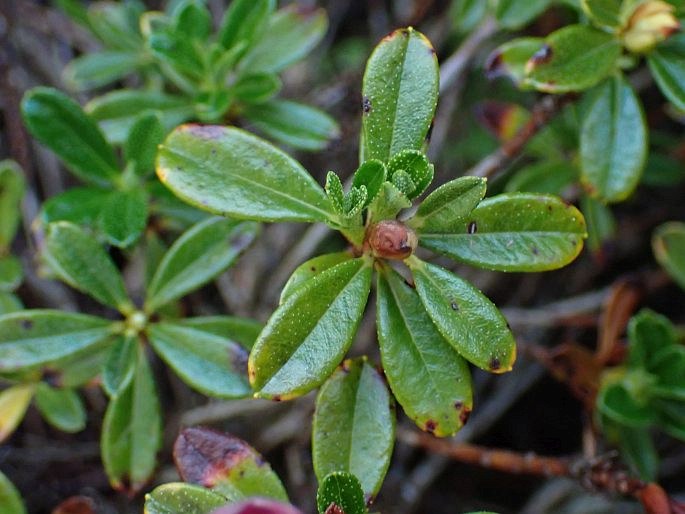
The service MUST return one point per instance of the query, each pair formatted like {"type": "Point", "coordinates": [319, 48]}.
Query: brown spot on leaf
{"type": "Point", "coordinates": [542, 56]}
{"type": "Point", "coordinates": [494, 364]}
{"type": "Point", "coordinates": [494, 66]}
{"type": "Point", "coordinates": [313, 269]}
{"type": "Point", "coordinates": [52, 377]}
{"type": "Point", "coordinates": [26, 324]}
{"type": "Point", "coordinates": [454, 306]}
{"type": "Point", "coordinates": [430, 426]}
{"type": "Point", "coordinates": [464, 415]}
{"type": "Point", "coordinates": [472, 227]}
{"type": "Point", "coordinates": [334, 509]}
{"type": "Point", "coordinates": [458, 405]}
{"type": "Point", "coordinates": [366, 105]}
{"type": "Point", "coordinates": [276, 398]}
{"type": "Point", "coordinates": [535, 250]}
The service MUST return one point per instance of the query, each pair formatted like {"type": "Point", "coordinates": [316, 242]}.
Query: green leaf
{"type": "Point", "coordinates": [548, 176]}
{"type": "Point", "coordinates": [648, 333]}
{"type": "Point", "coordinates": [388, 203]}
{"type": "Point", "coordinates": [514, 14]}
{"type": "Point", "coordinates": [123, 217]}
{"type": "Point", "coordinates": [231, 172]}
{"type": "Point", "coordinates": [9, 303]}
{"type": "Point", "coordinates": [256, 87]}
{"type": "Point", "coordinates": [140, 149]}
{"type": "Point", "coordinates": [335, 192]}
{"type": "Point", "coordinates": [118, 369]}
{"type": "Point", "coordinates": [669, 366]}
{"type": "Point", "coordinates": [465, 14]}
{"type": "Point", "coordinates": [59, 123]}
{"type": "Point", "coordinates": [193, 20]}
{"type": "Point", "coordinates": [36, 337]}
{"type": "Point", "coordinates": [118, 111]}
{"type": "Point", "coordinates": [10, 499]}
{"type": "Point", "coordinates": [615, 402]}
{"type": "Point", "coordinates": [509, 59]}
{"type": "Point", "coordinates": [515, 232]}
{"type": "Point", "coordinates": [79, 205]}
{"type": "Point", "coordinates": [638, 449]}
{"type": "Point", "coordinates": [131, 431]}
{"type": "Point", "coordinates": [13, 404]}
{"type": "Point", "coordinates": [79, 369]}
{"type": "Point", "coordinates": [291, 33]}
{"type": "Point", "coordinates": [667, 64]}
{"type": "Point", "coordinates": [370, 174]}
{"type": "Point", "coordinates": [354, 426]}
{"type": "Point", "coordinates": [662, 171]}
{"type": "Point", "coordinates": [605, 13]}
{"type": "Point", "coordinates": [293, 123]}
{"type": "Point", "coordinates": [400, 91]}
{"type": "Point", "coordinates": [342, 490]}
{"type": "Point", "coordinates": [198, 256]}
{"type": "Point", "coordinates": [416, 165]}
{"type": "Point", "coordinates": [465, 317]}
{"type": "Point", "coordinates": [226, 464]}
{"type": "Point", "coordinates": [179, 498]}
{"type": "Point", "coordinates": [212, 364]}
{"type": "Point", "coordinates": [427, 376]}
{"type": "Point", "coordinates": [242, 330]}
{"type": "Point", "coordinates": [62, 408]}
{"type": "Point", "coordinates": [308, 335]}
{"type": "Point", "coordinates": [672, 417]}
{"type": "Point", "coordinates": [668, 244]}
{"type": "Point", "coordinates": [11, 192]}
{"type": "Point", "coordinates": [175, 50]}
{"type": "Point", "coordinates": [573, 58]}
{"type": "Point", "coordinates": [613, 142]}
{"type": "Point", "coordinates": [310, 269]}
{"type": "Point", "coordinates": [601, 224]}
{"type": "Point", "coordinates": [446, 208]}
{"type": "Point", "coordinates": [99, 69]}
{"type": "Point", "coordinates": [77, 259]}
{"type": "Point", "coordinates": [11, 273]}
{"type": "Point", "coordinates": [244, 20]}
{"type": "Point", "coordinates": [116, 24]}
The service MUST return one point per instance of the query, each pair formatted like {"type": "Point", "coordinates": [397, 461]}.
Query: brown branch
{"type": "Point", "coordinates": [543, 112]}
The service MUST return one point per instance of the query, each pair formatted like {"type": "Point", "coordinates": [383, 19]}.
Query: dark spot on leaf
{"type": "Point", "coordinates": [410, 284]}
{"type": "Point", "coordinates": [464, 415]}
{"type": "Point", "coordinates": [213, 151]}
{"type": "Point", "coordinates": [542, 56]}
{"type": "Point", "coordinates": [535, 250]}
{"type": "Point", "coordinates": [345, 366]}
{"type": "Point", "coordinates": [494, 66]}
{"type": "Point", "coordinates": [454, 306]}
{"type": "Point", "coordinates": [26, 324]}
{"type": "Point", "coordinates": [238, 357]}
{"type": "Point", "coordinates": [472, 228]}
{"type": "Point", "coordinates": [494, 364]}
{"type": "Point", "coordinates": [573, 242]}
{"type": "Point", "coordinates": [494, 116]}
{"type": "Point", "coordinates": [204, 131]}
{"type": "Point", "coordinates": [276, 398]}
{"type": "Point", "coordinates": [334, 509]}
{"type": "Point", "coordinates": [458, 405]}
{"type": "Point", "coordinates": [430, 426]}
{"type": "Point", "coordinates": [313, 269]}
{"type": "Point", "coordinates": [549, 208]}
{"type": "Point", "coordinates": [52, 377]}
{"type": "Point", "coordinates": [430, 131]}
{"type": "Point", "coordinates": [366, 105]}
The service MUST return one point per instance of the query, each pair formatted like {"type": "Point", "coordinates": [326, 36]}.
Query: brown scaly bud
{"type": "Point", "coordinates": [391, 239]}
{"type": "Point", "coordinates": [651, 22]}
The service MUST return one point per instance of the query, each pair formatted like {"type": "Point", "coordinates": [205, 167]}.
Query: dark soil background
{"type": "Point", "coordinates": [526, 410]}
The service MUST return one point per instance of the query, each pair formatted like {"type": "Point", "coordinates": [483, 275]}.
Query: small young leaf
{"type": "Point", "coordinates": [59, 123]}
{"type": "Point", "coordinates": [669, 366]}
{"type": "Point", "coordinates": [446, 208]}
{"type": "Point", "coordinates": [341, 490]}
{"type": "Point", "coordinates": [117, 111]}
{"type": "Point", "coordinates": [371, 174]}
{"type": "Point", "coordinates": [295, 124]}
{"type": "Point", "coordinates": [514, 232]}
{"type": "Point", "coordinates": [77, 259]}
{"type": "Point", "coordinates": [179, 498]}
{"type": "Point", "coordinates": [11, 193]}
{"type": "Point", "coordinates": [427, 376]}
{"type": "Point", "coordinates": [140, 149]}
{"type": "Point", "coordinates": [198, 256]}
{"type": "Point", "coordinates": [242, 330]}
{"type": "Point", "coordinates": [11, 273]}
{"type": "Point", "coordinates": [116, 24]}
{"type": "Point", "coordinates": [120, 365]}
{"type": "Point", "coordinates": [613, 142]}
{"type": "Point", "coordinates": [32, 338]}
{"type": "Point", "coordinates": [514, 14]}
{"type": "Point", "coordinates": [403, 182]}
{"type": "Point", "coordinates": [99, 69]}
{"type": "Point", "coordinates": [225, 464]}
{"type": "Point", "coordinates": [668, 244]}
{"type": "Point", "coordinates": [212, 364]}
{"type": "Point", "coordinates": [13, 404]}
{"type": "Point", "coordinates": [573, 58]}
{"type": "Point", "coordinates": [667, 64]}
{"type": "Point", "coordinates": [79, 205]}
{"type": "Point", "coordinates": [335, 192]}
{"type": "Point", "coordinates": [615, 402]}
{"type": "Point", "coordinates": [193, 20]}
{"type": "Point", "coordinates": [509, 59]}
{"type": "Point", "coordinates": [388, 203]}
{"type": "Point", "coordinates": [310, 269]}
{"type": "Point", "coordinates": [649, 333]}
{"type": "Point", "coordinates": [62, 408]}
{"type": "Point", "coordinates": [671, 416]}
{"type": "Point", "coordinates": [291, 33]}
{"type": "Point", "coordinates": [547, 177]}
{"type": "Point", "coordinates": [465, 317]}
{"type": "Point", "coordinates": [605, 13]}
{"type": "Point", "coordinates": [231, 172]}
{"type": "Point", "coordinates": [308, 335]}
{"type": "Point", "coordinates": [400, 92]}
{"type": "Point", "coordinates": [175, 50]}
{"type": "Point", "coordinates": [10, 499]}
{"type": "Point", "coordinates": [256, 87]}
{"type": "Point", "coordinates": [244, 20]}
{"type": "Point", "coordinates": [123, 217]}
{"type": "Point", "coordinates": [131, 431]}
{"type": "Point", "coordinates": [354, 426]}
{"type": "Point", "coordinates": [416, 165]}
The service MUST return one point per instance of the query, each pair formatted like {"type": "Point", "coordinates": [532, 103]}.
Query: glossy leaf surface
{"type": "Point", "coordinates": [120, 365]}
{"type": "Point", "coordinates": [311, 268]}
{"type": "Point", "coordinates": [342, 491]}
{"type": "Point", "coordinates": [515, 232]}
{"type": "Point", "coordinates": [547, 177]}
{"type": "Point", "coordinates": [668, 244]}
{"type": "Point", "coordinates": [62, 408]}
{"type": "Point", "coordinates": [198, 256]}
{"type": "Point", "coordinates": [214, 365]}
{"type": "Point", "coordinates": [427, 376]}
{"type": "Point", "coordinates": [613, 142]}
{"type": "Point", "coordinates": [513, 14]}
{"type": "Point", "coordinates": [308, 335]}
{"type": "Point", "coordinates": [179, 498]}
{"type": "Point", "coordinates": [13, 404]}
{"type": "Point", "coordinates": [59, 123]}
{"type": "Point", "coordinates": [400, 91]}
{"type": "Point", "coordinates": [78, 205]}
{"type": "Point", "coordinates": [36, 337]}
{"type": "Point", "coordinates": [123, 217]}
{"type": "Point", "coordinates": [667, 63]}
{"type": "Point", "coordinates": [465, 317]}
{"type": "Point", "coordinates": [605, 13]}
{"type": "Point", "coordinates": [101, 68]}
{"type": "Point", "coordinates": [445, 209]}
{"type": "Point", "coordinates": [354, 425]}
{"type": "Point", "coordinates": [77, 259]}
{"type": "Point", "coordinates": [230, 172]}
{"type": "Point", "coordinates": [140, 149]}
{"type": "Point", "coordinates": [242, 330]}
{"type": "Point", "coordinates": [244, 20]}
{"type": "Point", "coordinates": [509, 59]}
{"type": "Point", "coordinates": [615, 401]}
